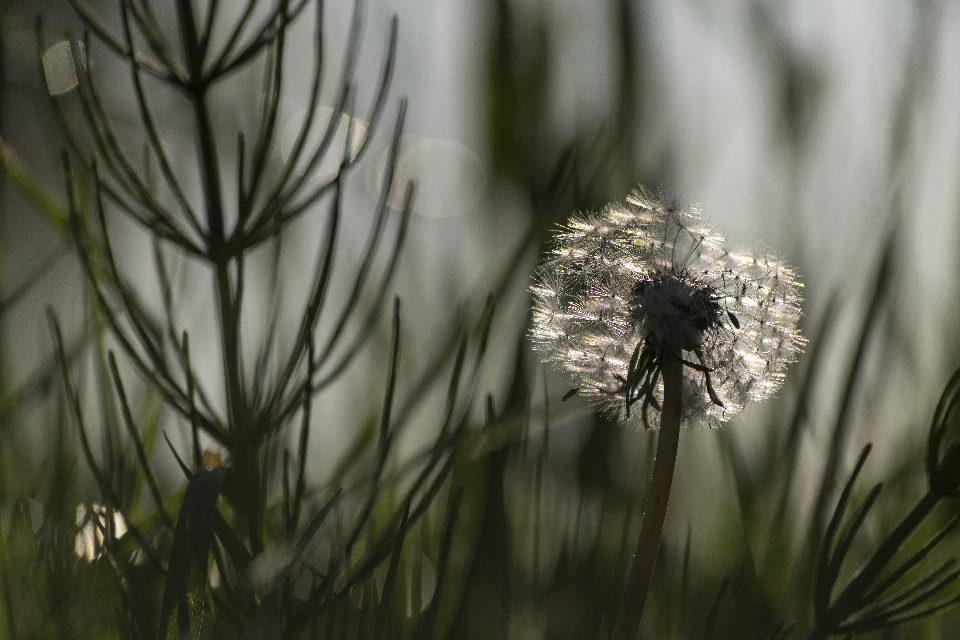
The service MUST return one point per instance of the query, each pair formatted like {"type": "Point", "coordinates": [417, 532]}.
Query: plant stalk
{"type": "Point", "coordinates": [243, 445]}
{"type": "Point", "coordinates": [651, 530]}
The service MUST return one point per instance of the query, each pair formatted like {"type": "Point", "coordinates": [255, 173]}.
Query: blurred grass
{"type": "Point", "coordinates": [529, 525]}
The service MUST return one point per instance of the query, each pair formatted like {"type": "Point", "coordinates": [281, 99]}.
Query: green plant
{"type": "Point", "coordinates": [180, 490]}
{"type": "Point", "coordinates": [272, 573]}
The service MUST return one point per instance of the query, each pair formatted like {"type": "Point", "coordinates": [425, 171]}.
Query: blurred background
{"type": "Point", "coordinates": [819, 129]}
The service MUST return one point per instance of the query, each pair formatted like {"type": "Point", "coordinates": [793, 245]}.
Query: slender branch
{"type": "Point", "coordinates": [645, 558]}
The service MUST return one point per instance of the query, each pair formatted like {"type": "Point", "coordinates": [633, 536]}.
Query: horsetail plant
{"type": "Point", "coordinates": [645, 308]}
{"type": "Point", "coordinates": [213, 215]}
{"type": "Point", "coordinates": [884, 591]}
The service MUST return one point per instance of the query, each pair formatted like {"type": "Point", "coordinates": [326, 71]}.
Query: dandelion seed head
{"type": "Point", "coordinates": [642, 277]}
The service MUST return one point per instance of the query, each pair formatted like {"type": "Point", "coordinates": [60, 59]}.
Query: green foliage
{"type": "Point", "coordinates": [515, 516]}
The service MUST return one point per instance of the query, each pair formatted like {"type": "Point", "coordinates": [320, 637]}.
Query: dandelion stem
{"type": "Point", "coordinates": [645, 557]}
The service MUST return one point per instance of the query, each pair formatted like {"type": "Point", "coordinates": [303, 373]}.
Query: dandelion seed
{"type": "Point", "coordinates": [640, 278]}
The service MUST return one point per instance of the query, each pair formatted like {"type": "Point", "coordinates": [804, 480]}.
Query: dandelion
{"type": "Point", "coordinates": [641, 279]}
{"type": "Point", "coordinates": [659, 323]}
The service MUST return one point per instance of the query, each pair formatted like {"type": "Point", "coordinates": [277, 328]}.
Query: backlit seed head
{"type": "Point", "coordinates": [622, 287]}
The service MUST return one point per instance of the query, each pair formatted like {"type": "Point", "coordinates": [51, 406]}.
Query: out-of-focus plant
{"type": "Point", "coordinates": [290, 558]}
{"type": "Point", "coordinates": [886, 590]}
{"type": "Point", "coordinates": [492, 530]}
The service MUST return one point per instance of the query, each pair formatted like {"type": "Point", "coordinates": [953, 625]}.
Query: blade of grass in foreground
{"type": "Point", "coordinates": [183, 593]}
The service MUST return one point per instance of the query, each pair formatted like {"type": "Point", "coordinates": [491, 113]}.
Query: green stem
{"type": "Point", "coordinates": [242, 446]}
{"type": "Point", "coordinates": [216, 236]}
{"type": "Point", "coordinates": [645, 557]}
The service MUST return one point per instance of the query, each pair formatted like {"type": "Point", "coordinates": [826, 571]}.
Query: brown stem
{"type": "Point", "coordinates": [645, 558]}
